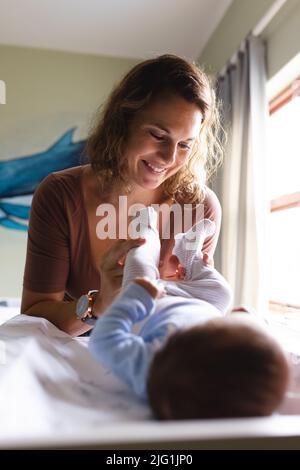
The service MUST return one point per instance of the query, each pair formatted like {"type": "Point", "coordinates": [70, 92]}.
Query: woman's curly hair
{"type": "Point", "coordinates": [137, 90]}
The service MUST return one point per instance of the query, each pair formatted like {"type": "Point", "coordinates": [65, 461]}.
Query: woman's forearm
{"type": "Point", "coordinates": [61, 314]}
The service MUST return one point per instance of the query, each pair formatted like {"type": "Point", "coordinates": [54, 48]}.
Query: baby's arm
{"type": "Point", "coordinates": [113, 344]}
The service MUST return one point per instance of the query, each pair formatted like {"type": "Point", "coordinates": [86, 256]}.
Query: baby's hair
{"type": "Point", "coordinates": [224, 368]}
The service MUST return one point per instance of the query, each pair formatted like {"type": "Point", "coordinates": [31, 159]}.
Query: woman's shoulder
{"type": "Point", "coordinates": [212, 206]}
{"type": "Point", "coordinates": [62, 181]}
{"type": "Point", "coordinates": [212, 211]}
{"type": "Point", "coordinates": [60, 189]}
{"type": "Point", "coordinates": [209, 207]}
{"type": "Point", "coordinates": [68, 174]}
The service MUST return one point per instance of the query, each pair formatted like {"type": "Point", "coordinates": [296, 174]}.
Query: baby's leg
{"type": "Point", "coordinates": [143, 260]}
{"type": "Point", "coordinates": [188, 246]}
{"type": "Point", "coordinates": [200, 281]}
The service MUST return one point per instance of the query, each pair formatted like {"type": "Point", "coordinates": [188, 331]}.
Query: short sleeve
{"type": "Point", "coordinates": [48, 247]}
{"type": "Point", "coordinates": [212, 211]}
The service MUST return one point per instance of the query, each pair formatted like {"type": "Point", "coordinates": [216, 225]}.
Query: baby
{"type": "Point", "coordinates": [188, 360]}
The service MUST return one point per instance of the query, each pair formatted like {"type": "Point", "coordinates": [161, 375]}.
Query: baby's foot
{"type": "Point", "coordinates": [143, 260]}
{"type": "Point", "coordinates": [142, 221]}
{"type": "Point", "coordinates": [189, 245]}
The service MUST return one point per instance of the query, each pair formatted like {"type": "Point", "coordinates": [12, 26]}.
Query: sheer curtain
{"type": "Point", "coordinates": [241, 184]}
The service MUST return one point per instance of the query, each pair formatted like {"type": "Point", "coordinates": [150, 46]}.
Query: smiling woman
{"type": "Point", "coordinates": [155, 142]}
{"type": "Point", "coordinates": [170, 101]}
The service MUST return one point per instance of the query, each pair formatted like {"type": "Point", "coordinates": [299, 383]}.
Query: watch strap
{"type": "Point", "coordinates": [89, 318]}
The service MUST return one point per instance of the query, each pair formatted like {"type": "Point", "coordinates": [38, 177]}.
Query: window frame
{"type": "Point", "coordinates": [289, 200]}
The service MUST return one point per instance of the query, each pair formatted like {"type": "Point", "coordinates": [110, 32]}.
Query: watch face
{"type": "Point", "coordinates": [82, 306]}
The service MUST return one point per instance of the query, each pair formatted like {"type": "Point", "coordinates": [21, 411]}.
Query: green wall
{"type": "Point", "coordinates": [241, 17]}
{"type": "Point", "coordinates": [47, 92]}
{"type": "Point", "coordinates": [282, 35]}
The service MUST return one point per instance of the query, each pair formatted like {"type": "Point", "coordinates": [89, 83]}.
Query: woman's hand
{"type": "Point", "coordinates": [111, 271]}
{"type": "Point", "coordinates": [208, 260]}
{"type": "Point", "coordinates": [166, 267]}
{"type": "Point", "coordinates": [169, 267]}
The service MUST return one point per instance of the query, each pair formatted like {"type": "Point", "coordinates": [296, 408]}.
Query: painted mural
{"type": "Point", "coordinates": [19, 178]}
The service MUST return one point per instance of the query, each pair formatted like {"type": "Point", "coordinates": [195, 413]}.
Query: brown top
{"type": "Point", "coordinates": [59, 250]}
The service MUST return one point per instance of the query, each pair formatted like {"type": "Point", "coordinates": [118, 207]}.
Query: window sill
{"type": "Point", "coordinates": [286, 328]}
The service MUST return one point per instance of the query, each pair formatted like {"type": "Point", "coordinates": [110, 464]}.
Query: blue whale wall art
{"type": "Point", "coordinates": [19, 178]}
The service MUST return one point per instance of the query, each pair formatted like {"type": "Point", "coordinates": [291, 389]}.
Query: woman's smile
{"type": "Point", "coordinates": [152, 168]}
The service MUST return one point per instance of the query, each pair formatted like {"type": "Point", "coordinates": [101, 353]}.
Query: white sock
{"type": "Point", "coordinates": [188, 245]}
{"type": "Point", "coordinates": [143, 261]}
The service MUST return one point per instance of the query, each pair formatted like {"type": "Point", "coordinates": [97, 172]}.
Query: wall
{"type": "Point", "coordinates": [239, 20]}
{"type": "Point", "coordinates": [47, 92]}
{"type": "Point", "coordinates": [282, 35]}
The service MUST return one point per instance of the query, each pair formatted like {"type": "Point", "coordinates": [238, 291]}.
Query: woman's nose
{"type": "Point", "coordinates": [168, 154]}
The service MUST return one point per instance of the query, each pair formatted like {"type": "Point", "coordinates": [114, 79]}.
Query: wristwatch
{"type": "Point", "coordinates": [84, 307]}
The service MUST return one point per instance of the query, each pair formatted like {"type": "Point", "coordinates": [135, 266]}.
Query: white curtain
{"type": "Point", "coordinates": [241, 184]}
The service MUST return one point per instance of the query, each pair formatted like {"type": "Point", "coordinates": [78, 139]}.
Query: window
{"type": "Point", "coordinates": [284, 132]}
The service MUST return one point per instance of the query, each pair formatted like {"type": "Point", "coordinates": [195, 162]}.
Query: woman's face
{"type": "Point", "coordinates": [160, 140]}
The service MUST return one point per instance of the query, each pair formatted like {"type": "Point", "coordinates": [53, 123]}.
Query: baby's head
{"type": "Point", "coordinates": [224, 368]}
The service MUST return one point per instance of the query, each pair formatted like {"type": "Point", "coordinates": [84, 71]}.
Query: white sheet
{"type": "Point", "coordinates": [49, 383]}
{"type": "Point", "coordinates": [52, 389]}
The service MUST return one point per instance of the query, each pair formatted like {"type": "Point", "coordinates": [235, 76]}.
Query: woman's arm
{"type": "Point", "coordinates": [48, 259]}
{"type": "Point", "coordinates": [48, 262]}
{"type": "Point", "coordinates": [212, 211]}
{"type": "Point", "coordinates": [62, 314]}
{"type": "Point", "coordinates": [53, 308]}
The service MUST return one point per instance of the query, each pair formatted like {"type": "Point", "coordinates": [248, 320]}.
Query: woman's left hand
{"type": "Point", "coordinates": [207, 259]}
{"type": "Point", "coordinates": [167, 267]}
{"type": "Point", "coordinates": [111, 271]}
